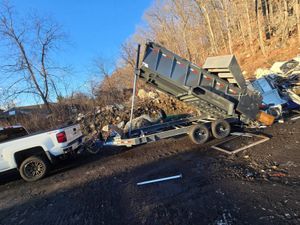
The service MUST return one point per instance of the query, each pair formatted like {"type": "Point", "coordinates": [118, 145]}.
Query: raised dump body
{"type": "Point", "coordinates": [212, 95]}
{"type": "Point", "coordinates": [227, 68]}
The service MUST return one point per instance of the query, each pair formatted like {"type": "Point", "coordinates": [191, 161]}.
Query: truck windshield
{"type": "Point", "coordinates": [10, 133]}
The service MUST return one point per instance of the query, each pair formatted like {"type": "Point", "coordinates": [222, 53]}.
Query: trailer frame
{"type": "Point", "coordinates": [169, 129]}
{"type": "Point", "coordinates": [161, 131]}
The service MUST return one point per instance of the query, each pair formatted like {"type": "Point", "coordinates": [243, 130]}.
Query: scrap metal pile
{"type": "Point", "coordinates": [279, 86]}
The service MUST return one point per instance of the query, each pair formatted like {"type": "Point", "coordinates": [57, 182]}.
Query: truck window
{"type": "Point", "coordinates": [10, 133]}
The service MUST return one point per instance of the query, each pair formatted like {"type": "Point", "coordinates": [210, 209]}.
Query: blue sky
{"type": "Point", "coordinates": [94, 28]}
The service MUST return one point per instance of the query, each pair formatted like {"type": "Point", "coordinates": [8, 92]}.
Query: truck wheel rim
{"type": "Point", "coordinates": [33, 169]}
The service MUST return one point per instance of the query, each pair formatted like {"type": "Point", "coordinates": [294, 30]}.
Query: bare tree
{"type": "Point", "coordinates": [29, 63]}
{"type": "Point", "coordinates": [107, 89]}
{"type": "Point", "coordinates": [259, 26]}
{"type": "Point", "coordinates": [285, 21]}
{"type": "Point", "coordinates": [202, 8]}
{"type": "Point", "coordinates": [225, 6]}
{"type": "Point", "coordinates": [297, 9]}
{"type": "Point", "coordinates": [181, 11]}
{"type": "Point", "coordinates": [128, 54]}
{"type": "Point", "coordinates": [245, 3]}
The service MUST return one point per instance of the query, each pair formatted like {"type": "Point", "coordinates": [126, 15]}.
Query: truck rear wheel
{"type": "Point", "coordinates": [199, 134]}
{"type": "Point", "coordinates": [34, 168]}
{"type": "Point", "coordinates": [220, 128]}
{"type": "Point", "coordinates": [94, 147]}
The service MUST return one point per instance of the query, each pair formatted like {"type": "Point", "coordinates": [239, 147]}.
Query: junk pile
{"type": "Point", "coordinates": [150, 107]}
{"type": "Point", "coordinates": [279, 86]}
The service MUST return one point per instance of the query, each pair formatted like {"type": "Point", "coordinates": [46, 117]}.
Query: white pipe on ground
{"type": "Point", "coordinates": [160, 179]}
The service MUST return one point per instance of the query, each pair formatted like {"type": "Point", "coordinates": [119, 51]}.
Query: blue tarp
{"type": "Point", "coordinates": [269, 92]}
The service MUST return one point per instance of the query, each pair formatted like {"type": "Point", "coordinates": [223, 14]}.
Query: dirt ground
{"type": "Point", "coordinates": [260, 185]}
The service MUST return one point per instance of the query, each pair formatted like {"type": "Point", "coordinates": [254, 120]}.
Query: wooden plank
{"type": "Point", "coordinates": [225, 75]}
{"type": "Point", "coordinates": [232, 81]}
{"type": "Point", "coordinates": [218, 70]}
{"type": "Point", "coordinates": [187, 97]}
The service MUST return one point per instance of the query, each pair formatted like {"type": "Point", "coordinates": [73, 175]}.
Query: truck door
{"type": "Point", "coordinates": [4, 165]}
{"type": "Point", "coordinates": [8, 134]}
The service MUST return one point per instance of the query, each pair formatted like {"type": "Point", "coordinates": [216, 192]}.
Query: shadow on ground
{"type": "Point", "coordinates": [209, 193]}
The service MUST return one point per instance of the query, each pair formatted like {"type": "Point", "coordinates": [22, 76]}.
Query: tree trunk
{"type": "Point", "coordinates": [271, 14]}
{"type": "Point", "coordinates": [203, 10]}
{"type": "Point", "coordinates": [259, 26]}
{"type": "Point", "coordinates": [285, 30]}
{"type": "Point", "coordinates": [218, 16]}
{"type": "Point", "coordinates": [239, 17]}
{"type": "Point", "coordinates": [32, 75]}
{"type": "Point", "coordinates": [249, 26]}
{"type": "Point", "coordinates": [297, 8]}
{"type": "Point", "coordinates": [267, 19]}
{"type": "Point", "coordinates": [225, 7]}
{"type": "Point", "coordinates": [184, 18]}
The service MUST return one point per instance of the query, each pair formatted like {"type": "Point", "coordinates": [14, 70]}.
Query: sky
{"type": "Point", "coordinates": [95, 28]}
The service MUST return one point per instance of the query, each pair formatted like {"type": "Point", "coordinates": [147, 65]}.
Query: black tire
{"type": "Point", "coordinates": [220, 128]}
{"type": "Point", "coordinates": [199, 134]}
{"type": "Point", "coordinates": [34, 168]}
{"type": "Point", "coordinates": [94, 147]}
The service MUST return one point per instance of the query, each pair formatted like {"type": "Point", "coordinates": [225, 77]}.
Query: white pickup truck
{"type": "Point", "coordinates": [32, 154]}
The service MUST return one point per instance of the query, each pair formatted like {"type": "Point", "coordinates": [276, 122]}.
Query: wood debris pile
{"type": "Point", "coordinates": [152, 105]}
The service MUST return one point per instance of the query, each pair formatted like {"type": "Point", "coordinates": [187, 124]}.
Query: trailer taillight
{"type": "Point", "coordinates": [61, 137]}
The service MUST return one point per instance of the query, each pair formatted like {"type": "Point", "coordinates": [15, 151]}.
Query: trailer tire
{"type": "Point", "coordinates": [220, 128]}
{"type": "Point", "coordinates": [199, 134]}
{"type": "Point", "coordinates": [34, 168]}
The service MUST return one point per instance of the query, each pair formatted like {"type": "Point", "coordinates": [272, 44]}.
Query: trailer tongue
{"type": "Point", "coordinates": [218, 91]}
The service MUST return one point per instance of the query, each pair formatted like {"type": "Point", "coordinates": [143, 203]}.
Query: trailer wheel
{"type": "Point", "coordinates": [199, 134]}
{"type": "Point", "coordinates": [34, 168]}
{"type": "Point", "coordinates": [220, 128]}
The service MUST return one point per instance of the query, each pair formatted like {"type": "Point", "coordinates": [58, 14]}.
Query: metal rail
{"type": "Point", "coordinates": [157, 132]}
{"type": "Point", "coordinates": [136, 71]}
{"type": "Point", "coordinates": [156, 127]}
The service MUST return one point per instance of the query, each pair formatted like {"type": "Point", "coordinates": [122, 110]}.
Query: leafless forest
{"type": "Point", "coordinates": [258, 32]}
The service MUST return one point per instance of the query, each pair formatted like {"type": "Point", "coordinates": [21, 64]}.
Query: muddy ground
{"type": "Point", "coordinates": [260, 185]}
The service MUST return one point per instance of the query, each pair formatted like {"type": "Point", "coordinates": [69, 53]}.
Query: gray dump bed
{"type": "Point", "coordinates": [219, 90]}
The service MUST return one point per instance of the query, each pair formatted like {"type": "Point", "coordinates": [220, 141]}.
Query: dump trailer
{"type": "Point", "coordinates": [217, 90]}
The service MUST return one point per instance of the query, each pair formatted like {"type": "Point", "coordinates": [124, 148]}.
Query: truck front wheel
{"type": "Point", "coordinates": [34, 168]}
